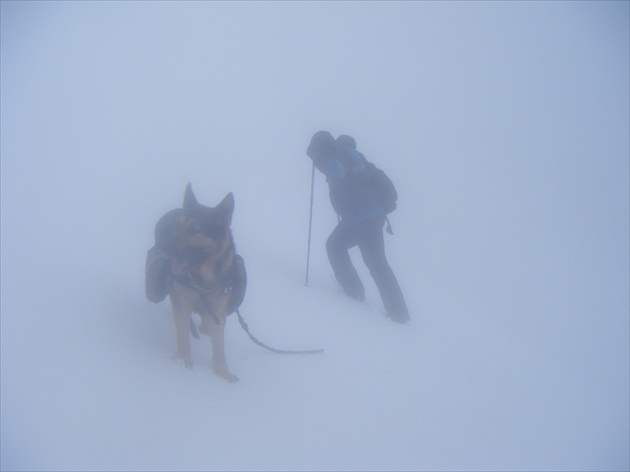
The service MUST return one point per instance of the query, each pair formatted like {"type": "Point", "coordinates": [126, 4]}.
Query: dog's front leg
{"type": "Point", "coordinates": [182, 328]}
{"type": "Point", "coordinates": [217, 336]}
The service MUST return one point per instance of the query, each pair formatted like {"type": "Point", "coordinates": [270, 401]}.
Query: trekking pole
{"type": "Point", "coordinates": [310, 225]}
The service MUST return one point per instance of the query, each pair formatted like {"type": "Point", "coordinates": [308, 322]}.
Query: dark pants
{"type": "Point", "coordinates": [369, 237]}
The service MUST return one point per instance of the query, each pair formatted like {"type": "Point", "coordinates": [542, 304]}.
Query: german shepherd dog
{"type": "Point", "coordinates": [195, 263]}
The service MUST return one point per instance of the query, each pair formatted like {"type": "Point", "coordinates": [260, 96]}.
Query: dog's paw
{"type": "Point", "coordinates": [230, 378]}
{"type": "Point", "coordinates": [227, 375]}
{"type": "Point", "coordinates": [186, 361]}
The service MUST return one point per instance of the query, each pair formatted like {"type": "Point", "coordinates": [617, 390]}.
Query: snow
{"type": "Point", "coordinates": [503, 125]}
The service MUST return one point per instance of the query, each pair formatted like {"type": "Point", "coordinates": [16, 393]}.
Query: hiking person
{"type": "Point", "coordinates": [361, 221]}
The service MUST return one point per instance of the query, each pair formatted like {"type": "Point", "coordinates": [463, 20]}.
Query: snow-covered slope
{"type": "Point", "coordinates": [509, 148]}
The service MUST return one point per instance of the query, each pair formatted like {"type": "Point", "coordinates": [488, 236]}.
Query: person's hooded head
{"type": "Point", "coordinates": [322, 145]}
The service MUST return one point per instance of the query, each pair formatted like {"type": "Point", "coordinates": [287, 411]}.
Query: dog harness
{"type": "Point", "coordinates": [233, 284]}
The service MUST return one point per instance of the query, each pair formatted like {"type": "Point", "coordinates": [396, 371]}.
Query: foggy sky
{"type": "Point", "coordinates": [505, 126]}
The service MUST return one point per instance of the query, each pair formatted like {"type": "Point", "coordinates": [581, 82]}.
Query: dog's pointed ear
{"type": "Point", "coordinates": [226, 208]}
{"type": "Point", "coordinates": [189, 198]}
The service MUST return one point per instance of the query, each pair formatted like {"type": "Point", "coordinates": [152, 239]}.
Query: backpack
{"type": "Point", "coordinates": [383, 187]}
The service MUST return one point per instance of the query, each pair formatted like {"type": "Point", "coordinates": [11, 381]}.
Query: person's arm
{"type": "Point", "coordinates": [331, 168]}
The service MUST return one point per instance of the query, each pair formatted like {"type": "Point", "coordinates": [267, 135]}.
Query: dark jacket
{"type": "Point", "coordinates": [350, 188]}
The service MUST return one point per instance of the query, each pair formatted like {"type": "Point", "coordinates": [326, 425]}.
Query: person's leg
{"type": "Point", "coordinates": [372, 248]}
{"type": "Point", "coordinates": [339, 242]}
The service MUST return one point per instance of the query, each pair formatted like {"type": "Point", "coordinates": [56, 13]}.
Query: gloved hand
{"type": "Point", "coordinates": [323, 162]}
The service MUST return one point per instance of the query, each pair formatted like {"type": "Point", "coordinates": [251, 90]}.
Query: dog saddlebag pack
{"type": "Point", "coordinates": [157, 266]}
{"type": "Point", "coordinates": [237, 284]}
{"type": "Point", "coordinates": [156, 275]}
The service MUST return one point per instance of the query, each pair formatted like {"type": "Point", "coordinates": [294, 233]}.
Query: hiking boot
{"type": "Point", "coordinates": [360, 297]}
{"type": "Point", "coordinates": [401, 318]}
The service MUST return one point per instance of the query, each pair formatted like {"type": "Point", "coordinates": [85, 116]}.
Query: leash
{"type": "Point", "coordinates": [190, 282]}
{"type": "Point", "coordinates": [277, 351]}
